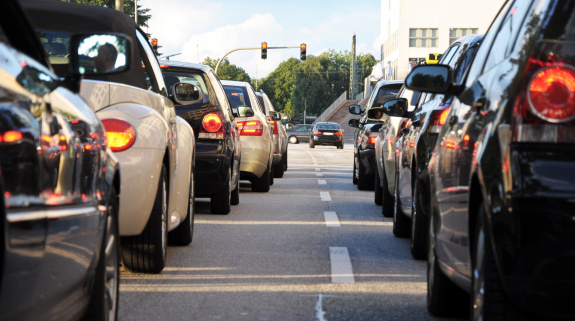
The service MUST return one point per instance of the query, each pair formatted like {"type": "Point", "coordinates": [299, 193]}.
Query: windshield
{"type": "Point", "coordinates": [327, 126]}
{"type": "Point", "coordinates": [237, 95]}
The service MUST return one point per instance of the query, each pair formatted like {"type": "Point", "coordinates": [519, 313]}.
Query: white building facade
{"type": "Point", "coordinates": [412, 29]}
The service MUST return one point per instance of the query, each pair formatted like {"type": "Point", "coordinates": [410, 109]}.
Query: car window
{"type": "Point", "coordinates": [220, 93]}
{"type": "Point", "coordinates": [190, 77]}
{"type": "Point", "coordinates": [449, 54]}
{"type": "Point", "coordinates": [237, 96]}
{"type": "Point", "coordinates": [327, 126]}
{"type": "Point", "coordinates": [150, 66]}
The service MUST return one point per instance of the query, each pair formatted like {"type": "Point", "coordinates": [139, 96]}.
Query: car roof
{"type": "Point", "coordinates": [389, 82]}
{"type": "Point", "coordinates": [183, 64]}
{"type": "Point", "coordinates": [235, 83]}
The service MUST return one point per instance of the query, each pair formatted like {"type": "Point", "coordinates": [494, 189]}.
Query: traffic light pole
{"type": "Point", "coordinates": [250, 48]}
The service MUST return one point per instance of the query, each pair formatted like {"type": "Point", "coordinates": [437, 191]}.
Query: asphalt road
{"type": "Point", "coordinates": [313, 248]}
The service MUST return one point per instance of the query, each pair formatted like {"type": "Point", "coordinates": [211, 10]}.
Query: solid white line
{"type": "Point", "coordinates": [318, 174]}
{"type": "Point", "coordinates": [341, 271]}
{"type": "Point", "coordinates": [331, 219]}
{"type": "Point", "coordinates": [324, 196]}
{"type": "Point", "coordinates": [319, 312]}
{"type": "Point", "coordinates": [321, 182]}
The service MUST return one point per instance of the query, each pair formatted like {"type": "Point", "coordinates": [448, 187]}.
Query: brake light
{"type": "Point", "coordinates": [62, 143]}
{"type": "Point", "coordinates": [121, 135]}
{"type": "Point", "coordinates": [11, 136]}
{"type": "Point", "coordinates": [372, 140]}
{"type": "Point", "coordinates": [317, 132]}
{"type": "Point", "coordinates": [544, 110]}
{"type": "Point", "coordinates": [368, 139]}
{"type": "Point", "coordinates": [212, 123]}
{"type": "Point", "coordinates": [275, 123]}
{"type": "Point", "coordinates": [438, 119]}
{"type": "Point", "coordinates": [250, 128]}
{"type": "Point", "coordinates": [339, 133]}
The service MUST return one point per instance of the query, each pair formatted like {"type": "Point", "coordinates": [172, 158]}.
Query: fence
{"type": "Point", "coordinates": [326, 113]}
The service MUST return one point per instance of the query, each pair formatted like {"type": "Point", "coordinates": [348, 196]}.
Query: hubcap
{"type": "Point", "coordinates": [111, 274]}
{"type": "Point", "coordinates": [479, 278]}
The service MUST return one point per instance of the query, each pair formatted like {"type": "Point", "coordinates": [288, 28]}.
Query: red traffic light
{"type": "Point", "coordinates": [154, 42]}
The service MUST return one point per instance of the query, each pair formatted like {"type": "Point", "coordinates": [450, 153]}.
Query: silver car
{"type": "Point", "coordinates": [279, 134]}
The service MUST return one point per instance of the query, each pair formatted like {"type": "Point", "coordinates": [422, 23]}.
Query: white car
{"type": "Point", "coordinates": [256, 136]}
{"type": "Point", "coordinates": [156, 149]}
{"type": "Point", "coordinates": [279, 134]}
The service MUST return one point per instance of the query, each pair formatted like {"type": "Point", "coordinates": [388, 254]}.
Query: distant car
{"type": "Point", "coordinates": [255, 134]}
{"type": "Point", "coordinates": [502, 210]}
{"type": "Point", "coordinates": [415, 148]}
{"type": "Point", "coordinates": [326, 134]}
{"type": "Point", "coordinates": [59, 184]}
{"type": "Point", "coordinates": [218, 146]}
{"type": "Point", "coordinates": [142, 128]}
{"type": "Point", "coordinates": [279, 134]}
{"type": "Point", "coordinates": [299, 133]}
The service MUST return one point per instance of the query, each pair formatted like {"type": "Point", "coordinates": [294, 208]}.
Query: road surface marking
{"type": "Point", "coordinates": [318, 174]}
{"type": "Point", "coordinates": [341, 271]}
{"type": "Point", "coordinates": [318, 169]}
{"type": "Point", "coordinates": [324, 196]}
{"type": "Point", "coordinates": [319, 312]}
{"type": "Point", "coordinates": [331, 219]}
{"type": "Point", "coordinates": [321, 182]}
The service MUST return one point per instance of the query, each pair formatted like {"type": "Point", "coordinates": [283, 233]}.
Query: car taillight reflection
{"type": "Point", "coordinates": [250, 128]}
{"type": "Point", "coordinates": [121, 135]}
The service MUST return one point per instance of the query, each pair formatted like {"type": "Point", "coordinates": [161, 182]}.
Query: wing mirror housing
{"type": "Point", "coordinates": [396, 107]}
{"type": "Point", "coordinates": [245, 111]}
{"type": "Point", "coordinates": [431, 79]}
{"type": "Point", "coordinates": [353, 123]}
{"type": "Point", "coordinates": [355, 109]}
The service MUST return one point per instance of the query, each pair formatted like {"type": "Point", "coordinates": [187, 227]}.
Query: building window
{"type": "Point", "coordinates": [456, 33]}
{"type": "Point", "coordinates": [423, 37]}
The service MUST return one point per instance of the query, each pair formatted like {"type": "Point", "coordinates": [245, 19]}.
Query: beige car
{"type": "Point", "coordinates": [256, 135]}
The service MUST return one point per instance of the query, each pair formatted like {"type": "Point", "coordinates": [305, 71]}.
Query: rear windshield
{"type": "Point", "coordinates": [237, 95]}
{"type": "Point", "coordinates": [190, 77]}
{"type": "Point", "coordinates": [327, 126]}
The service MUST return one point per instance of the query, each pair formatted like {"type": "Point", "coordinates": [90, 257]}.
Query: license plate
{"type": "Point", "coordinates": [328, 134]}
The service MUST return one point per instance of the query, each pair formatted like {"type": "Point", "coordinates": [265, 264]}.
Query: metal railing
{"type": "Point", "coordinates": [326, 113]}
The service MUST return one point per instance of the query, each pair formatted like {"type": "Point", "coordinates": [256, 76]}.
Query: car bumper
{"type": "Point", "coordinates": [212, 165]}
{"type": "Point", "coordinates": [366, 159]}
{"type": "Point", "coordinates": [255, 156]}
{"type": "Point", "coordinates": [328, 140]}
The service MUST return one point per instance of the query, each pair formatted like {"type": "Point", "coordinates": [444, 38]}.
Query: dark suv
{"type": "Point", "coordinates": [502, 223]}
{"type": "Point", "coordinates": [218, 147]}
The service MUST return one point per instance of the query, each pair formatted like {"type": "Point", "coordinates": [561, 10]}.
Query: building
{"type": "Point", "coordinates": [413, 29]}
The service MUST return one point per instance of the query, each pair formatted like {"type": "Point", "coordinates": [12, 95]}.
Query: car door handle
{"type": "Point", "coordinates": [452, 120]}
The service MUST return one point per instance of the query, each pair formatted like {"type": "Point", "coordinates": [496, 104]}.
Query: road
{"type": "Point", "coordinates": [313, 248]}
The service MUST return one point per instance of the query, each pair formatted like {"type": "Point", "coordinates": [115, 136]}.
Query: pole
{"type": "Point", "coordinates": [249, 48]}
{"type": "Point", "coordinates": [305, 111]}
{"type": "Point", "coordinates": [136, 10]}
{"type": "Point", "coordinates": [120, 5]}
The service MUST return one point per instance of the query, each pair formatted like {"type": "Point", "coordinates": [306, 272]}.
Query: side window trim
{"type": "Point", "coordinates": [155, 73]}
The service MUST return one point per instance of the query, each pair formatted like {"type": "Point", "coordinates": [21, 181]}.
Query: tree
{"type": "Point", "coordinates": [143, 13]}
{"type": "Point", "coordinates": [280, 84]}
{"type": "Point", "coordinates": [227, 70]}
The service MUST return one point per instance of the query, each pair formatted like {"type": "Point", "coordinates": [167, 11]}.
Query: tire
{"type": "Point", "coordinates": [221, 201]}
{"type": "Point", "coordinates": [444, 298]}
{"type": "Point", "coordinates": [272, 172]}
{"type": "Point", "coordinates": [147, 252]}
{"type": "Point", "coordinates": [311, 144]}
{"type": "Point", "coordinates": [183, 234]}
{"type": "Point", "coordinates": [387, 200]}
{"type": "Point", "coordinates": [364, 181]}
{"type": "Point", "coordinates": [236, 192]}
{"type": "Point", "coordinates": [293, 140]}
{"type": "Point", "coordinates": [354, 176]}
{"type": "Point", "coordinates": [279, 169]}
{"type": "Point", "coordinates": [378, 195]}
{"type": "Point", "coordinates": [285, 161]}
{"type": "Point", "coordinates": [418, 240]}
{"type": "Point", "coordinates": [103, 303]}
{"type": "Point", "coordinates": [340, 146]}
{"type": "Point", "coordinates": [401, 223]}
{"type": "Point", "coordinates": [262, 184]}
{"type": "Point", "coordinates": [488, 299]}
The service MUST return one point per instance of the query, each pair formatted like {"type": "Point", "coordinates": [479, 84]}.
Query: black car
{"type": "Point", "coordinates": [502, 215]}
{"type": "Point", "coordinates": [415, 146]}
{"type": "Point", "coordinates": [299, 133]}
{"type": "Point", "coordinates": [326, 134]}
{"type": "Point", "coordinates": [59, 186]}
{"type": "Point", "coordinates": [218, 148]}
{"type": "Point", "coordinates": [364, 156]}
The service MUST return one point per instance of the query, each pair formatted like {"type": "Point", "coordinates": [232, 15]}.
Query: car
{"type": "Point", "coordinates": [256, 135]}
{"type": "Point", "coordinates": [279, 134]}
{"type": "Point", "coordinates": [385, 151]}
{"type": "Point", "coordinates": [383, 90]}
{"type": "Point", "coordinates": [502, 217]}
{"type": "Point", "coordinates": [365, 155]}
{"type": "Point", "coordinates": [324, 133]}
{"type": "Point", "coordinates": [299, 133]}
{"type": "Point", "coordinates": [218, 146]}
{"type": "Point", "coordinates": [415, 146]}
{"type": "Point", "coordinates": [59, 184]}
{"type": "Point", "coordinates": [143, 129]}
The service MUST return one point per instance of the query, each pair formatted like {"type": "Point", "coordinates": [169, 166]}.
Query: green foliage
{"type": "Point", "coordinates": [227, 70]}
{"type": "Point", "coordinates": [279, 85]}
{"type": "Point", "coordinates": [143, 13]}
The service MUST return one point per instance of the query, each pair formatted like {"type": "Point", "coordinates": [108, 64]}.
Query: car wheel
{"type": "Point", "coordinates": [293, 140]}
{"type": "Point", "coordinates": [147, 252]}
{"type": "Point", "coordinates": [279, 169]}
{"type": "Point", "coordinates": [354, 179]}
{"type": "Point", "coordinates": [401, 223]}
{"type": "Point", "coordinates": [418, 238]}
{"type": "Point", "coordinates": [104, 301]}
{"type": "Point", "coordinates": [488, 300]}
{"type": "Point", "coordinates": [183, 234]}
{"type": "Point", "coordinates": [311, 144]}
{"type": "Point", "coordinates": [262, 184]}
{"type": "Point", "coordinates": [387, 200]}
{"type": "Point", "coordinates": [221, 201]}
{"type": "Point", "coordinates": [340, 146]}
{"type": "Point", "coordinates": [378, 195]}
{"type": "Point", "coordinates": [444, 298]}
{"type": "Point", "coordinates": [364, 181]}
{"type": "Point", "coordinates": [236, 192]}
{"type": "Point", "coordinates": [285, 161]}
{"type": "Point", "coordinates": [272, 172]}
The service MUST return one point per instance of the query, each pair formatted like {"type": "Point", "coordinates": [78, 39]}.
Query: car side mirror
{"type": "Point", "coordinates": [285, 117]}
{"type": "Point", "coordinates": [396, 107]}
{"type": "Point", "coordinates": [353, 123]}
{"type": "Point", "coordinates": [355, 109]}
{"type": "Point", "coordinates": [375, 113]}
{"type": "Point", "coordinates": [100, 54]}
{"type": "Point", "coordinates": [185, 94]}
{"type": "Point", "coordinates": [275, 116]}
{"type": "Point", "coordinates": [245, 111]}
{"type": "Point", "coordinates": [430, 79]}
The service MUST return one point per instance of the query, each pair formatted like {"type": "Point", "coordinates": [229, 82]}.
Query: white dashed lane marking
{"type": "Point", "coordinates": [341, 270]}
{"type": "Point", "coordinates": [321, 182]}
{"type": "Point", "coordinates": [325, 197]}
{"type": "Point", "coordinates": [331, 219]}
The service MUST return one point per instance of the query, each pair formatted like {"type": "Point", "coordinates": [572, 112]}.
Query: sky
{"type": "Point", "coordinates": [201, 28]}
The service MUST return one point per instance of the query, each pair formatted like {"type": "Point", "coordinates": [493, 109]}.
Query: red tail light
{"type": "Point", "coordinates": [212, 126]}
{"type": "Point", "coordinates": [62, 143]}
{"type": "Point", "coordinates": [121, 135]}
{"type": "Point", "coordinates": [11, 136]}
{"type": "Point", "coordinates": [437, 119]}
{"type": "Point", "coordinates": [544, 110]}
{"type": "Point", "coordinates": [372, 140]}
{"type": "Point", "coordinates": [368, 140]}
{"type": "Point", "coordinates": [250, 128]}
{"type": "Point", "coordinates": [317, 132]}
{"type": "Point", "coordinates": [275, 123]}
{"type": "Point", "coordinates": [339, 133]}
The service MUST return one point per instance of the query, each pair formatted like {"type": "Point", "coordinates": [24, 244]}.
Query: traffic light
{"type": "Point", "coordinates": [302, 48]}
{"type": "Point", "coordinates": [155, 45]}
{"type": "Point", "coordinates": [264, 50]}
